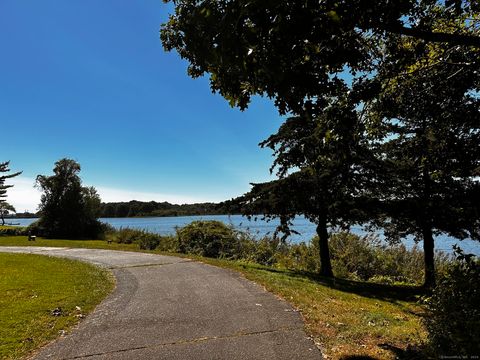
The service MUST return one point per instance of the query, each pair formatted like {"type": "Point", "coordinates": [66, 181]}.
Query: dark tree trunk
{"type": "Point", "coordinates": [428, 249]}
{"type": "Point", "coordinates": [325, 264]}
{"type": "Point", "coordinates": [3, 219]}
{"type": "Point", "coordinates": [426, 222]}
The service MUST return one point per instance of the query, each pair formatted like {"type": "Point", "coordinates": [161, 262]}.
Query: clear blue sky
{"type": "Point", "coordinates": [89, 80]}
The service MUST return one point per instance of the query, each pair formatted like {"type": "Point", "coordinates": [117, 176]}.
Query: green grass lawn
{"type": "Point", "coordinates": [91, 244]}
{"type": "Point", "coordinates": [345, 318]}
{"type": "Point", "coordinates": [32, 286]}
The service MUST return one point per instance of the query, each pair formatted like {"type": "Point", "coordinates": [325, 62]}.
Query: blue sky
{"type": "Point", "coordinates": [89, 80]}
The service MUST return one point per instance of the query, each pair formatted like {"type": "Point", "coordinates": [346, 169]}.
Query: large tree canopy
{"type": "Point", "coordinates": [67, 209]}
{"type": "Point", "coordinates": [351, 72]}
{"type": "Point", "coordinates": [294, 51]}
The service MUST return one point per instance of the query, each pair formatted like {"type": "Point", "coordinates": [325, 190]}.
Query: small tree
{"type": "Point", "coordinates": [5, 207]}
{"type": "Point", "coordinates": [429, 113]}
{"type": "Point", "coordinates": [331, 161]}
{"type": "Point", "coordinates": [67, 210]}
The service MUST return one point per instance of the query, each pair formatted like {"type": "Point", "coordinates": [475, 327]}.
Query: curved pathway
{"type": "Point", "coordinates": [172, 308]}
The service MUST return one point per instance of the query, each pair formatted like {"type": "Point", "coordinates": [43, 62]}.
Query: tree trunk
{"type": "Point", "coordinates": [3, 219]}
{"type": "Point", "coordinates": [426, 222]}
{"type": "Point", "coordinates": [325, 265]}
{"type": "Point", "coordinates": [428, 249]}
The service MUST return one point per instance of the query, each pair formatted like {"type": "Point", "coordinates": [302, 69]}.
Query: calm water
{"type": "Point", "coordinates": [167, 225]}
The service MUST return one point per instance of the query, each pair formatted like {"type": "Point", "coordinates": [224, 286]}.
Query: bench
{"type": "Point", "coordinates": [32, 237]}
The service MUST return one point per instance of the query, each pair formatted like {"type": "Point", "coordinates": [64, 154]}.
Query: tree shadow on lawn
{"type": "Point", "coordinates": [401, 354]}
{"type": "Point", "coordinates": [390, 293]}
{"type": "Point", "coordinates": [410, 353]}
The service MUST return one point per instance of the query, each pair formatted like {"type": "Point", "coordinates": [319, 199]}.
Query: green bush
{"type": "Point", "coordinates": [353, 255]}
{"type": "Point", "coordinates": [148, 241]}
{"type": "Point", "coordinates": [126, 235]}
{"type": "Point", "coordinates": [246, 246]}
{"type": "Point", "coordinates": [106, 230]}
{"type": "Point", "coordinates": [266, 251]}
{"type": "Point", "coordinates": [453, 321]}
{"type": "Point", "coordinates": [302, 256]}
{"type": "Point", "coordinates": [208, 238]}
{"type": "Point", "coordinates": [168, 243]}
{"type": "Point", "coordinates": [397, 264]}
{"type": "Point", "coordinates": [94, 230]}
{"type": "Point", "coordinates": [144, 239]}
{"type": "Point", "coordinates": [12, 230]}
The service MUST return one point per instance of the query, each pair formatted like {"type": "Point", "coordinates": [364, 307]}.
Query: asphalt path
{"type": "Point", "coordinates": [166, 307]}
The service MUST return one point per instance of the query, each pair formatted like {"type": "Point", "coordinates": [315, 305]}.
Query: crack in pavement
{"type": "Point", "coordinates": [113, 267]}
{"type": "Point", "coordinates": [191, 341]}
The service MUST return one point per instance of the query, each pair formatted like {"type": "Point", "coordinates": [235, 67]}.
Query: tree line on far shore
{"type": "Point", "coordinates": [136, 208]}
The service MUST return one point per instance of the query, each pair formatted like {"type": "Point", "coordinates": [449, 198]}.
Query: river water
{"type": "Point", "coordinates": [259, 228]}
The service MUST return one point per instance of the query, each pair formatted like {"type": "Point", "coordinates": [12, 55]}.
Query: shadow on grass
{"type": "Point", "coordinates": [401, 354]}
{"type": "Point", "coordinates": [391, 293]}
{"type": "Point", "coordinates": [414, 353]}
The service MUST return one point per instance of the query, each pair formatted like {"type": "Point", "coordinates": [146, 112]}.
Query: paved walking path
{"type": "Point", "coordinates": [172, 308]}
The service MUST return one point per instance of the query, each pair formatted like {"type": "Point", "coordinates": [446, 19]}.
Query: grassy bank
{"type": "Point", "coordinates": [344, 317]}
{"type": "Point", "coordinates": [40, 296]}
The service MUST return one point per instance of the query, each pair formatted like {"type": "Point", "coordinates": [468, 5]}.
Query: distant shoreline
{"type": "Point", "coordinates": [143, 209]}
{"type": "Point", "coordinates": [136, 216]}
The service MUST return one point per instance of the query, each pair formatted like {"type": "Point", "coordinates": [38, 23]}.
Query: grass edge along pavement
{"type": "Point", "coordinates": [345, 318]}
{"type": "Point", "coordinates": [43, 297]}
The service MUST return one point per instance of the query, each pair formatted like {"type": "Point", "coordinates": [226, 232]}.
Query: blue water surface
{"type": "Point", "coordinates": [259, 228]}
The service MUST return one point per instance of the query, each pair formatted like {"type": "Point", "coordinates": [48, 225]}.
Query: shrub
{"type": "Point", "coordinates": [91, 230]}
{"type": "Point", "coordinates": [12, 230]}
{"type": "Point", "coordinates": [208, 238]}
{"type": "Point", "coordinates": [353, 255]}
{"type": "Point", "coordinates": [144, 239]}
{"type": "Point", "coordinates": [106, 230]}
{"type": "Point", "coordinates": [265, 251]}
{"type": "Point", "coordinates": [396, 263]}
{"type": "Point", "coordinates": [246, 246]}
{"type": "Point", "coordinates": [127, 235]}
{"type": "Point", "coordinates": [148, 241]}
{"type": "Point", "coordinates": [454, 313]}
{"type": "Point", "coordinates": [302, 256]}
{"type": "Point", "coordinates": [168, 243]}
